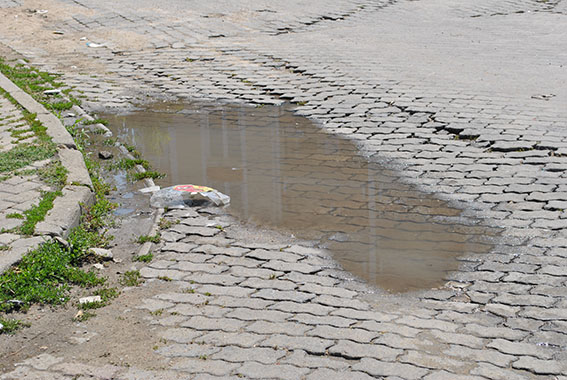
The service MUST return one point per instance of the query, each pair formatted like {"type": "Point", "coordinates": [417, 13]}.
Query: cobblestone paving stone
{"type": "Point", "coordinates": [496, 153]}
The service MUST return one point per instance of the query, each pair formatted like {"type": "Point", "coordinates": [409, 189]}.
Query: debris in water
{"type": "Point", "coordinates": [178, 196]}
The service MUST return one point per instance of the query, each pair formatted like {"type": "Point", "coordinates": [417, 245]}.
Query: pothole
{"type": "Point", "coordinates": [283, 172]}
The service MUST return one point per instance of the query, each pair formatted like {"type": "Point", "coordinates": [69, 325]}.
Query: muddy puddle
{"type": "Point", "coordinates": [281, 171]}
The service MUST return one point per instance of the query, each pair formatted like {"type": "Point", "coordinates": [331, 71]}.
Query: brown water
{"type": "Point", "coordinates": [282, 171]}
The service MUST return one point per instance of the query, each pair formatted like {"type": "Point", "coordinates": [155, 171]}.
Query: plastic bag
{"type": "Point", "coordinates": [180, 195]}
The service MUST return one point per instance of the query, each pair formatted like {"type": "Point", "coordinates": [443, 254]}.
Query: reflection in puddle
{"type": "Point", "coordinates": [282, 171]}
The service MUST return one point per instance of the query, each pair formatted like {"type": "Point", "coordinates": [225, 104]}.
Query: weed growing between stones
{"type": "Point", "coordinates": [164, 223]}
{"type": "Point", "coordinates": [15, 215]}
{"type": "Point", "coordinates": [145, 238]}
{"type": "Point", "coordinates": [35, 82]}
{"type": "Point", "coordinates": [37, 213]}
{"type": "Point", "coordinates": [131, 278]}
{"type": "Point", "coordinates": [148, 174]}
{"type": "Point", "coordinates": [55, 175]}
{"type": "Point", "coordinates": [26, 153]}
{"type": "Point", "coordinates": [96, 121]}
{"type": "Point", "coordinates": [144, 258]}
{"type": "Point", "coordinates": [127, 163]}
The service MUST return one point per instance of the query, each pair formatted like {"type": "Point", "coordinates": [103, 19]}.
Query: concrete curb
{"type": "Point", "coordinates": [55, 129]}
{"type": "Point", "coordinates": [67, 209]}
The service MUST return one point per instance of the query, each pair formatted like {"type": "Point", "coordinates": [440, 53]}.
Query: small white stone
{"type": "Point", "coordinates": [90, 299]}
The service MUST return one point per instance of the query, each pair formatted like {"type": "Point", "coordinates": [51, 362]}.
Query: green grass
{"type": "Point", "coordinates": [84, 316]}
{"type": "Point", "coordinates": [15, 215]}
{"type": "Point", "coordinates": [95, 121]}
{"type": "Point", "coordinates": [11, 325]}
{"type": "Point", "coordinates": [144, 258]}
{"type": "Point", "coordinates": [43, 276]}
{"type": "Point", "coordinates": [148, 174]}
{"type": "Point", "coordinates": [54, 174]}
{"type": "Point", "coordinates": [127, 163]}
{"type": "Point", "coordinates": [26, 172]}
{"type": "Point", "coordinates": [109, 142]}
{"type": "Point", "coordinates": [107, 294]}
{"type": "Point", "coordinates": [145, 238]}
{"type": "Point", "coordinates": [91, 305]}
{"type": "Point", "coordinates": [37, 213]}
{"type": "Point", "coordinates": [17, 133]}
{"type": "Point", "coordinates": [131, 278]}
{"type": "Point", "coordinates": [164, 224]}
{"type": "Point", "coordinates": [35, 82]}
{"type": "Point", "coordinates": [23, 155]}
{"type": "Point", "coordinates": [132, 150]}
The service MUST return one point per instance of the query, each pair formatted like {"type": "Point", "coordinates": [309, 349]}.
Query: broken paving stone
{"type": "Point", "coordinates": [103, 253]}
{"type": "Point", "coordinates": [105, 155]}
{"type": "Point", "coordinates": [98, 266]}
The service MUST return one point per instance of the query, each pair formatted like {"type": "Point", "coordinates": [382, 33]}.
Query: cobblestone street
{"type": "Point", "coordinates": [466, 102]}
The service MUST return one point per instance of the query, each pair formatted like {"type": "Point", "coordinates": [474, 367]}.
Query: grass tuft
{"type": "Point", "coordinates": [96, 121]}
{"type": "Point", "coordinates": [24, 154]}
{"type": "Point", "coordinates": [37, 213]}
{"type": "Point", "coordinates": [153, 238]}
{"type": "Point", "coordinates": [148, 174]}
{"type": "Point", "coordinates": [10, 326]}
{"type": "Point", "coordinates": [144, 258]}
{"type": "Point", "coordinates": [43, 276]}
{"type": "Point", "coordinates": [131, 278]}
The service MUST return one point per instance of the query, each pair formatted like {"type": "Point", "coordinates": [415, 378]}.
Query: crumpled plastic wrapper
{"type": "Point", "coordinates": [180, 196]}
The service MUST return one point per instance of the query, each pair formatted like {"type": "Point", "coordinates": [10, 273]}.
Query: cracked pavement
{"type": "Point", "coordinates": [466, 100]}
